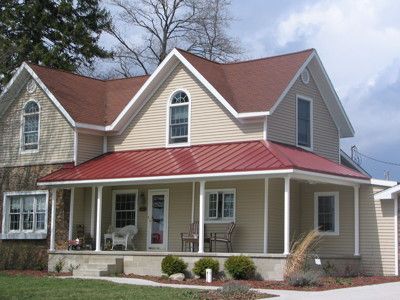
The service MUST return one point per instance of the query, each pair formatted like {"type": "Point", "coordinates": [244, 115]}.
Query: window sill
{"type": "Point", "coordinates": [328, 233]}
{"type": "Point", "coordinates": [23, 236]}
{"type": "Point", "coordinates": [226, 221]}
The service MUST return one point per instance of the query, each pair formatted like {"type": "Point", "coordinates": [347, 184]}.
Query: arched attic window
{"type": "Point", "coordinates": [30, 129]}
{"type": "Point", "coordinates": [179, 118]}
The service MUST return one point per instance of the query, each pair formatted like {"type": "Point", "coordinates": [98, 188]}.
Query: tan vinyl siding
{"type": "Point", "coordinates": [56, 141]}
{"type": "Point", "coordinates": [210, 121]}
{"type": "Point", "coordinates": [377, 245]}
{"type": "Point", "coordinates": [89, 146]}
{"type": "Point", "coordinates": [342, 244]}
{"type": "Point", "coordinates": [282, 123]}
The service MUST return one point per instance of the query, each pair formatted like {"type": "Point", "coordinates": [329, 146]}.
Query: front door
{"type": "Point", "coordinates": [157, 227]}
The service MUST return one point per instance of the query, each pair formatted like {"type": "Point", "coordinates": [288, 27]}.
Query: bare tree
{"type": "Point", "coordinates": [196, 25]}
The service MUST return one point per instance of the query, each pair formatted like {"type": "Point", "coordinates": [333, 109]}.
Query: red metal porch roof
{"type": "Point", "coordinates": [200, 159]}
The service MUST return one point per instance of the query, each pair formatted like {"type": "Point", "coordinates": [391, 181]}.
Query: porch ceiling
{"type": "Point", "coordinates": [239, 158]}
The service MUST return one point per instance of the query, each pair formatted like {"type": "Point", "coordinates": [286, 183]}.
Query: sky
{"type": "Point", "coordinates": [359, 44]}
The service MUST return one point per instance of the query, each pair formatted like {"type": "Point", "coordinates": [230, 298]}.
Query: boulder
{"type": "Point", "coordinates": [177, 277]}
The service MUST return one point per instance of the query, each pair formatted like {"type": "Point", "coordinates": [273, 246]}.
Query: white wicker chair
{"type": "Point", "coordinates": [124, 236]}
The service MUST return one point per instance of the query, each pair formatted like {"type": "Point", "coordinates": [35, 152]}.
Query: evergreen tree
{"type": "Point", "coordinates": [56, 33]}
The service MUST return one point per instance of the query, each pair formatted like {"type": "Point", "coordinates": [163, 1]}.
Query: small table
{"type": "Point", "coordinates": [195, 241]}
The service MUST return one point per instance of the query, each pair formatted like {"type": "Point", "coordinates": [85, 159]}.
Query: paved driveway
{"type": "Point", "coordinates": [386, 291]}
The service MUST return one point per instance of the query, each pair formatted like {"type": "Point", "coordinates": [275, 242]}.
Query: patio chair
{"type": "Point", "coordinates": [187, 237]}
{"type": "Point", "coordinates": [225, 238]}
{"type": "Point", "coordinates": [124, 236]}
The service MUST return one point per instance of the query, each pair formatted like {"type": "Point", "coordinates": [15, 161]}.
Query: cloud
{"type": "Point", "coordinates": [359, 44]}
{"type": "Point", "coordinates": [355, 39]}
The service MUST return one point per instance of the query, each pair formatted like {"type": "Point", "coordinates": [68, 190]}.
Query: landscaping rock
{"type": "Point", "coordinates": [177, 277]}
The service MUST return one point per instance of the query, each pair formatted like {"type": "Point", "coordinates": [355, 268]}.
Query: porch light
{"type": "Point", "coordinates": [142, 202]}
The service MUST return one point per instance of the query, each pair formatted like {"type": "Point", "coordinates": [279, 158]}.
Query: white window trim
{"type": "Point", "coordinates": [23, 234]}
{"type": "Point", "coordinates": [22, 137]}
{"type": "Point", "coordinates": [186, 144]}
{"type": "Point", "coordinates": [305, 98]}
{"type": "Point", "coordinates": [222, 220]}
{"type": "Point", "coordinates": [337, 225]}
{"type": "Point", "coordinates": [114, 195]}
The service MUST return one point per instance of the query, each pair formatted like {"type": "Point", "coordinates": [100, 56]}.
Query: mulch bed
{"type": "Point", "coordinates": [34, 273]}
{"type": "Point", "coordinates": [328, 283]}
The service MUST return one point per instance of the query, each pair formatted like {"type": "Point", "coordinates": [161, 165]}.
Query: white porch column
{"type": "Point", "coordinates": [266, 188]}
{"type": "Point", "coordinates": [357, 220]}
{"type": "Point", "coordinates": [93, 213]}
{"type": "Point", "coordinates": [286, 248]}
{"type": "Point", "coordinates": [201, 216]}
{"type": "Point", "coordinates": [53, 220]}
{"type": "Point", "coordinates": [98, 224]}
{"type": "Point", "coordinates": [71, 214]}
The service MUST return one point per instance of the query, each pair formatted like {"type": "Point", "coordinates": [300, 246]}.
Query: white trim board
{"type": "Point", "coordinates": [296, 174]}
{"type": "Point", "coordinates": [388, 194]}
{"type": "Point", "coordinates": [170, 62]}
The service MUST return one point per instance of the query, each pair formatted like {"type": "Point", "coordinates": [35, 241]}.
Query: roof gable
{"type": "Point", "coordinates": [248, 89]}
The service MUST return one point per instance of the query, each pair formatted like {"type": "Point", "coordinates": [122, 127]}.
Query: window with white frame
{"type": "Point", "coordinates": [326, 214]}
{"type": "Point", "coordinates": [30, 127]}
{"type": "Point", "coordinates": [220, 205]}
{"type": "Point", "coordinates": [25, 212]}
{"type": "Point", "coordinates": [304, 122]}
{"type": "Point", "coordinates": [179, 108]}
{"type": "Point", "coordinates": [125, 208]}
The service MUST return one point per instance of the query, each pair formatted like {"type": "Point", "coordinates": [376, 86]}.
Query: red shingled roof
{"type": "Point", "coordinates": [86, 99]}
{"type": "Point", "coordinates": [201, 159]}
{"type": "Point", "coordinates": [249, 86]}
{"type": "Point", "coordinates": [253, 85]}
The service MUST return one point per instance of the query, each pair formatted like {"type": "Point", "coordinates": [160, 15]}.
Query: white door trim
{"type": "Point", "coordinates": [164, 246]}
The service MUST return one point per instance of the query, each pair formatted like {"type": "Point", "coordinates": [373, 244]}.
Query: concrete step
{"type": "Point", "coordinates": [90, 273]}
{"type": "Point", "coordinates": [100, 268]}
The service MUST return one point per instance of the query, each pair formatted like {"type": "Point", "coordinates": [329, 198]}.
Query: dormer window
{"type": "Point", "coordinates": [179, 110]}
{"type": "Point", "coordinates": [304, 122]}
{"type": "Point", "coordinates": [30, 127]}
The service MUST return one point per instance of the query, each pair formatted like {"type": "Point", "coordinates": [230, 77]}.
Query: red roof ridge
{"type": "Point", "coordinates": [269, 57]}
{"type": "Point", "coordinates": [279, 155]}
{"type": "Point", "coordinates": [85, 76]}
{"type": "Point", "coordinates": [247, 60]}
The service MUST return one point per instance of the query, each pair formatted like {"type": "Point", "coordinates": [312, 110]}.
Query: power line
{"type": "Point", "coordinates": [377, 160]}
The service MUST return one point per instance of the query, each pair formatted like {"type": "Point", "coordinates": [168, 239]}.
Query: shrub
{"type": "Point", "coordinates": [59, 265]}
{"type": "Point", "coordinates": [304, 278]}
{"type": "Point", "coordinates": [173, 264]}
{"type": "Point", "coordinates": [240, 267]}
{"type": "Point", "coordinates": [18, 256]}
{"type": "Point", "coordinates": [202, 264]}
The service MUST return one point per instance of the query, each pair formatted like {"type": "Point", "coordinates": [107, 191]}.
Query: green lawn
{"type": "Point", "coordinates": [27, 287]}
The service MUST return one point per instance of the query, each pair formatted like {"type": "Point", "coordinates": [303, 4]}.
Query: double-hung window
{"type": "Point", "coordinates": [326, 212]}
{"type": "Point", "coordinates": [125, 208]}
{"type": "Point", "coordinates": [30, 127]}
{"type": "Point", "coordinates": [304, 122]}
{"type": "Point", "coordinates": [178, 125]}
{"type": "Point", "coordinates": [220, 205]}
{"type": "Point", "coordinates": [25, 214]}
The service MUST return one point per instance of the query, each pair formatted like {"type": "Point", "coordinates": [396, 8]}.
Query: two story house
{"type": "Point", "coordinates": [254, 143]}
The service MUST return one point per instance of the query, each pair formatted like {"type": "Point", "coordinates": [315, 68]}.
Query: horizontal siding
{"type": "Point", "coordinates": [89, 146]}
{"type": "Point", "coordinates": [377, 247]}
{"type": "Point", "coordinates": [342, 244]}
{"type": "Point", "coordinates": [282, 123]}
{"type": "Point", "coordinates": [56, 135]}
{"type": "Point", "coordinates": [210, 121]}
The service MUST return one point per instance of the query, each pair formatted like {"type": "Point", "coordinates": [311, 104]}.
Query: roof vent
{"type": "Point", "coordinates": [31, 86]}
{"type": "Point", "coordinates": [305, 76]}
